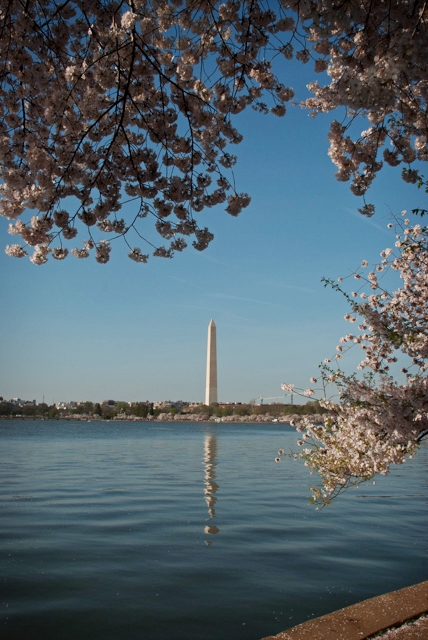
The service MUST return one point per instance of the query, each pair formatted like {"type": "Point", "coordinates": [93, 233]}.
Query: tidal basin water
{"type": "Point", "coordinates": [169, 531]}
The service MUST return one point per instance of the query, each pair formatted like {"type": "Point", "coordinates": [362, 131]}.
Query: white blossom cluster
{"type": "Point", "coordinates": [378, 421]}
{"type": "Point", "coordinates": [104, 102]}
{"type": "Point", "coordinates": [375, 56]}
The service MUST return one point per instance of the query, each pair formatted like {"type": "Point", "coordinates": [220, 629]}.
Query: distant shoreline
{"type": "Point", "coordinates": [227, 420]}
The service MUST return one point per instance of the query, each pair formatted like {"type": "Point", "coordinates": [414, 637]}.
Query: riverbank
{"type": "Point", "coordinates": [252, 419]}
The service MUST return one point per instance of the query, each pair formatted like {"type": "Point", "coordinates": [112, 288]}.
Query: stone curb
{"type": "Point", "coordinates": [364, 619]}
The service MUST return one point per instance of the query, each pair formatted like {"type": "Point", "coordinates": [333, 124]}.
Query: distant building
{"type": "Point", "coordinates": [223, 405]}
{"type": "Point", "coordinates": [66, 406]}
{"type": "Point", "coordinates": [18, 402]}
{"type": "Point", "coordinates": [170, 404]}
{"type": "Point", "coordinates": [109, 403]}
{"type": "Point", "coordinates": [211, 395]}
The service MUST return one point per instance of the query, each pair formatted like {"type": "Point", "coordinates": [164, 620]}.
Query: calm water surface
{"type": "Point", "coordinates": [146, 531]}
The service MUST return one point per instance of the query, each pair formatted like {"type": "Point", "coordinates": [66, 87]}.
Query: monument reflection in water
{"type": "Point", "coordinates": [211, 486]}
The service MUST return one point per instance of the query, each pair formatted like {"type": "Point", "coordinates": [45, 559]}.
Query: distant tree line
{"type": "Point", "coordinates": [138, 409]}
{"type": "Point", "coordinates": [145, 409]}
{"type": "Point", "coordinates": [28, 410]}
{"type": "Point", "coordinates": [274, 410]}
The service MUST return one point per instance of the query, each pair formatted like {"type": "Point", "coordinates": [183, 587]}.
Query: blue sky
{"type": "Point", "coordinates": [77, 330]}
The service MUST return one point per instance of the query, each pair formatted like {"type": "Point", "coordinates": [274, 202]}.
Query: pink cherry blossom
{"type": "Point", "coordinates": [104, 103]}
{"type": "Point", "coordinates": [378, 420]}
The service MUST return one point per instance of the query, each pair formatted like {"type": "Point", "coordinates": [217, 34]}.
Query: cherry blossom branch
{"type": "Point", "coordinates": [378, 421]}
{"type": "Point", "coordinates": [92, 93]}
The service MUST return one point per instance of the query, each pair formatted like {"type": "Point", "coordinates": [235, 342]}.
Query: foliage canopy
{"type": "Point", "coordinates": [104, 102]}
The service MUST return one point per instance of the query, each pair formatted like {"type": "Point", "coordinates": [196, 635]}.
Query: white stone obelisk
{"type": "Point", "coordinates": [211, 384]}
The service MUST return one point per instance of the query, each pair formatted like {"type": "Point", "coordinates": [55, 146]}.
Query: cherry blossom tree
{"type": "Point", "coordinates": [378, 420]}
{"type": "Point", "coordinates": [106, 102]}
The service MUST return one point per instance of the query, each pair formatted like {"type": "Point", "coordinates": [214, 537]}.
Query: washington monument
{"type": "Point", "coordinates": [211, 385]}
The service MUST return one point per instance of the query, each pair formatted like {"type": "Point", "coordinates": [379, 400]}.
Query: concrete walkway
{"type": "Point", "coordinates": [366, 619]}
